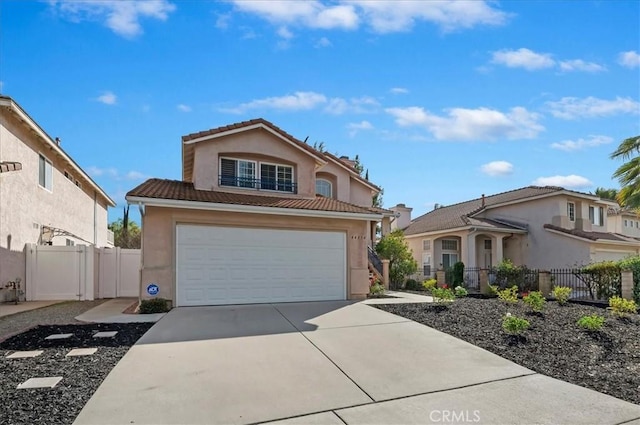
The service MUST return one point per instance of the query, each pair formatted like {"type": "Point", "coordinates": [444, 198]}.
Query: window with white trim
{"type": "Point", "coordinates": [426, 244]}
{"type": "Point", "coordinates": [487, 244]}
{"type": "Point", "coordinates": [626, 223]}
{"type": "Point", "coordinates": [45, 173]}
{"type": "Point", "coordinates": [450, 244]}
{"type": "Point", "coordinates": [426, 264]}
{"type": "Point", "coordinates": [571, 211]}
{"type": "Point", "coordinates": [255, 175]}
{"type": "Point", "coordinates": [324, 188]}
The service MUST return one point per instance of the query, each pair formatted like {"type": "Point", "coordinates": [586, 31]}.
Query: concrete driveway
{"type": "Point", "coordinates": [327, 362]}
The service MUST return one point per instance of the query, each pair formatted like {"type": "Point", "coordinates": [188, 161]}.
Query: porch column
{"type": "Point", "coordinates": [385, 274]}
{"type": "Point", "coordinates": [386, 225]}
{"type": "Point", "coordinates": [471, 247]}
{"type": "Point", "coordinates": [499, 251]}
{"type": "Point", "coordinates": [464, 250]}
{"type": "Point", "coordinates": [627, 284]}
{"type": "Point", "coordinates": [372, 233]}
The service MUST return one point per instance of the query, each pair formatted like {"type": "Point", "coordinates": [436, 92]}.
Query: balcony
{"type": "Point", "coordinates": [259, 184]}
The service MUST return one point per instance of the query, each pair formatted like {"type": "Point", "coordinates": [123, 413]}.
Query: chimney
{"type": "Point", "coordinates": [348, 162]}
{"type": "Point", "coordinates": [403, 216]}
{"type": "Point", "coordinates": [58, 141]}
{"type": "Point", "coordinates": [483, 199]}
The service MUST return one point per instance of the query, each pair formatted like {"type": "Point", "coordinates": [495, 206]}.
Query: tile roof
{"type": "Point", "coordinates": [188, 149]}
{"type": "Point", "coordinates": [457, 215]}
{"type": "Point", "coordinates": [594, 236]}
{"type": "Point", "coordinates": [184, 191]}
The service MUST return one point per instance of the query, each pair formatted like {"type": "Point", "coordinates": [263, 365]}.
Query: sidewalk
{"type": "Point", "coordinates": [112, 312]}
{"type": "Point", "coordinates": [7, 309]}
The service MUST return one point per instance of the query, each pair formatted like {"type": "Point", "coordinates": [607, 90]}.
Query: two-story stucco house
{"type": "Point", "coordinates": [258, 217]}
{"type": "Point", "coordinates": [541, 227]}
{"type": "Point", "coordinates": [45, 196]}
{"type": "Point", "coordinates": [623, 221]}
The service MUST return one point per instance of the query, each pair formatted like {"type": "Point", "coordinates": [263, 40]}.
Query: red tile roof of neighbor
{"type": "Point", "coordinates": [325, 156]}
{"type": "Point", "coordinates": [184, 191]}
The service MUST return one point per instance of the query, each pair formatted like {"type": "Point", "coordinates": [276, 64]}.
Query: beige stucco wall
{"type": "Point", "coordinates": [25, 206]}
{"type": "Point", "coordinates": [615, 224]}
{"type": "Point", "coordinates": [360, 194]}
{"type": "Point", "coordinates": [158, 244]}
{"type": "Point", "coordinates": [342, 188]}
{"type": "Point", "coordinates": [252, 145]}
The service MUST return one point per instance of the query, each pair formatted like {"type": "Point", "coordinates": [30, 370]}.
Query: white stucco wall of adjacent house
{"type": "Point", "coordinates": [25, 206]}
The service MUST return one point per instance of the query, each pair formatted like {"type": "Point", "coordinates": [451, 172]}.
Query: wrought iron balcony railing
{"type": "Point", "coordinates": [259, 184]}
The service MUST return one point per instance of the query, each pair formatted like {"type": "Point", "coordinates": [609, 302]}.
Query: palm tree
{"type": "Point", "coordinates": [628, 174]}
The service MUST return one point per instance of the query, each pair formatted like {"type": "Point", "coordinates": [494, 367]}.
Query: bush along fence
{"type": "Point", "coordinates": [595, 283]}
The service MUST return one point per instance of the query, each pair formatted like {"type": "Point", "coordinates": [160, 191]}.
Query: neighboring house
{"type": "Point", "coordinates": [258, 217]}
{"type": "Point", "coordinates": [540, 227]}
{"type": "Point", "coordinates": [623, 221]}
{"type": "Point", "coordinates": [45, 197]}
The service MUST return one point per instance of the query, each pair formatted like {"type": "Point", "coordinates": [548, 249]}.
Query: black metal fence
{"type": "Point", "coordinates": [588, 285]}
{"type": "Point", "coordinates": [471, 278]}
{"type": "Point", "coordinates": [524, 278]}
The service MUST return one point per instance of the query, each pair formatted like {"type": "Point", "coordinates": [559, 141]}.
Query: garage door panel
{"type": "Point", "coordinates": [224, 265]}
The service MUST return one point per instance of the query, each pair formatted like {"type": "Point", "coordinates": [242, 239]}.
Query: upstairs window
{"type": "Point", "coordinates": [571, 211]}
{"type": "Point", "coordinates": [324, 188]}
{"type": "Point", "coordinates": [45, 173]}
{"type": "Point", "coordinates": [596, 216]}
{"type": "Point", "coordinates": [254, 175]}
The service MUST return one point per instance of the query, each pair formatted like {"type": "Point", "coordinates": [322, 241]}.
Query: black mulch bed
{"type": "Point", "coordinates": [81, 375]}
{"type": "Point", "coordinates": [607, 361]}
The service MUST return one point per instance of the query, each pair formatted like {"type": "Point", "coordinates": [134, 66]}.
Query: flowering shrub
{"type": "Point", "coordinates": [561, 294]}
{"type": "Point", "coordinates": [514, 325]}
{"type": "Point", "coordinates": [591, 323]}
{"type": "Point", "coordinates": [460, 292]}
{"type": "Point", "coordinates": [509, 295]}
{"type": "Point", "coordinates": [535, 300]}
{"type": "Point", "coordinates": [621, 307]}
{"type": "Point", "coordinates": [429, 284]}
{"type": "Point", "coordinates": [376, 288]}
{"type": "Point", "coordinates": [442, 295]}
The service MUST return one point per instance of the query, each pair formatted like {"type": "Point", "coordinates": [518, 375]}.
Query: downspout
{"type": "Point", "coordinates": [141, 210]}
{"type": "Point", "coordinates": [95, 218]}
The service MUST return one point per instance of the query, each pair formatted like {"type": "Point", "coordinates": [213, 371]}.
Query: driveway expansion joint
{"type": "Point", "coordinates": [629, 421]}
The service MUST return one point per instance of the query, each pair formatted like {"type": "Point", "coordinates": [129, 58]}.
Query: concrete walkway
{"type": "Point", "coordinates": [112, 312]}
{"type": "Point", "coordinates": [7, 309]}
{"type": "Point", "coordinates": [328, 362]}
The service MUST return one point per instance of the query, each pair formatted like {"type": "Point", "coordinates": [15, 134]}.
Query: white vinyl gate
{"type": "Point", "coordinates": [81, 272]}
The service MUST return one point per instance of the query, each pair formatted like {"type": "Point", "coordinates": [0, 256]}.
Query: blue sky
{"type": "Point", "coordinates": [442, 101]}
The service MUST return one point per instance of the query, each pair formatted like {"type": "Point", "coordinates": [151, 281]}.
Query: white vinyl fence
{"type": "Point", "coordinates": [81, 272]}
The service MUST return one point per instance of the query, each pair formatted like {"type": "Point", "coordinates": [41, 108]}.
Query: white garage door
{"type": "Point", "coordinates": [231, 265]}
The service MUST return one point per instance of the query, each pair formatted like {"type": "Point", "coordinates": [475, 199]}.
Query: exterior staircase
{"type": "Point", "coordinates": [375, 265]}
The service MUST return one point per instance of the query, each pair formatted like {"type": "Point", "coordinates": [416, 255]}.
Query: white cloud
{"type": "Point", "coordinates": [568, 182]}
{"type": "Point", "coordinates": [471, 124]}
{"type": "Point", "coordinates": [298, 101]}
{"type": "Point", "coordinates": [323, 42]}
{"type": "Point", "coordinates": [356, 105]}
{"type": "Point", "coordinates": [122, 17]}
{"type": "Point", "coordinates": [580, 65]}
{"type": "Point", "coordinates": [383, 16]}
{"type": "Point", "coordinates": [523, 58]}
{"type": "Point", "coordinates": [184, 108]}
{"type": "Point", "coordinates": [285, 33]}
{"type": "Point", "coordinates": [497, 168]}
{"type": "Point", "coordinates": [569, 108]}
{"type": "Point", "coordinates": [222, 21]}
{"type": "Point", "coordinates": [114, 174]}
{"type": "Point", "coordinates": [312, 14]}
{"type": "Point", "coordinates": [355, 127]}
{"type": "Point", "coordinates": [576, 145]}
{"type": "Point", "coordinates": [398, 90]}
{"type": "Point", "coordinates": [108, 98]}
{"type": "Point", "coordinates": [630, 59]}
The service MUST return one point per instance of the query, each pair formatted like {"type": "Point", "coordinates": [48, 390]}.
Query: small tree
{"type": "Point", "coordinates": [394, 248]}
{"type": "Point", "coordinates": [126, 233]}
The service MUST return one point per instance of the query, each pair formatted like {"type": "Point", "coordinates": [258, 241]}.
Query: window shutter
{"type": "Point", "coordinates": [228, 172]}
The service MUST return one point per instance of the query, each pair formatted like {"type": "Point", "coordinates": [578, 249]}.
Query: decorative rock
{"type": "Point", "coordinates": [24, 354]}
{"type": "Point", "coordinates": [81, 352]}
{"type": "Point", "coordinates": [109, 334]}
{"type": "Point", "coordinates": [48, 382]}
{"type": "Point", "coordinates": [59, 336]}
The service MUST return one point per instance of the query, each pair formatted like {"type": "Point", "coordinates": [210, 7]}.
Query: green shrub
{"type": "Point", "coordinates": [514, 325]}
{"type": "Point", "coordinates": [509, 295]}
{"type": "Point", "coordinates": [376, 288]}
{"type": "Point", "coordinates": [535, 300]}
{"type": "Point", "coordinates": [561, 294]}
{"type": "Point", "coordinates": [602, 279]}
{"type": "Point", "coordinates": [492, 290]}
{"type": "Point", "coordinates": [412, 285]}
{"type": "Point", "coordinates": [458, 273]}
{"type": "Point", "coordinates": [591, 323]}
{"type": "Point", "coordinates": [460, 292]}
{"type": "Point", "coordinates": [621, 307]}
{"type": "Point", "coordinates": [429, 284]}
{"type": "Point", "coordinates": [442, 295]}
{"type": "Point", "coordinates": [507, 274]}
{"type": "Point", "coordinates": [154, 305]}
{"type": "Point", "coordinates": [633, 264]}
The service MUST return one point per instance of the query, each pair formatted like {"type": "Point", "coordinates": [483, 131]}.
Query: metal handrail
{"type": "Point", "coordinates": [259, 184]}
{"type": "Point", "coordinates": [375, 260]}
